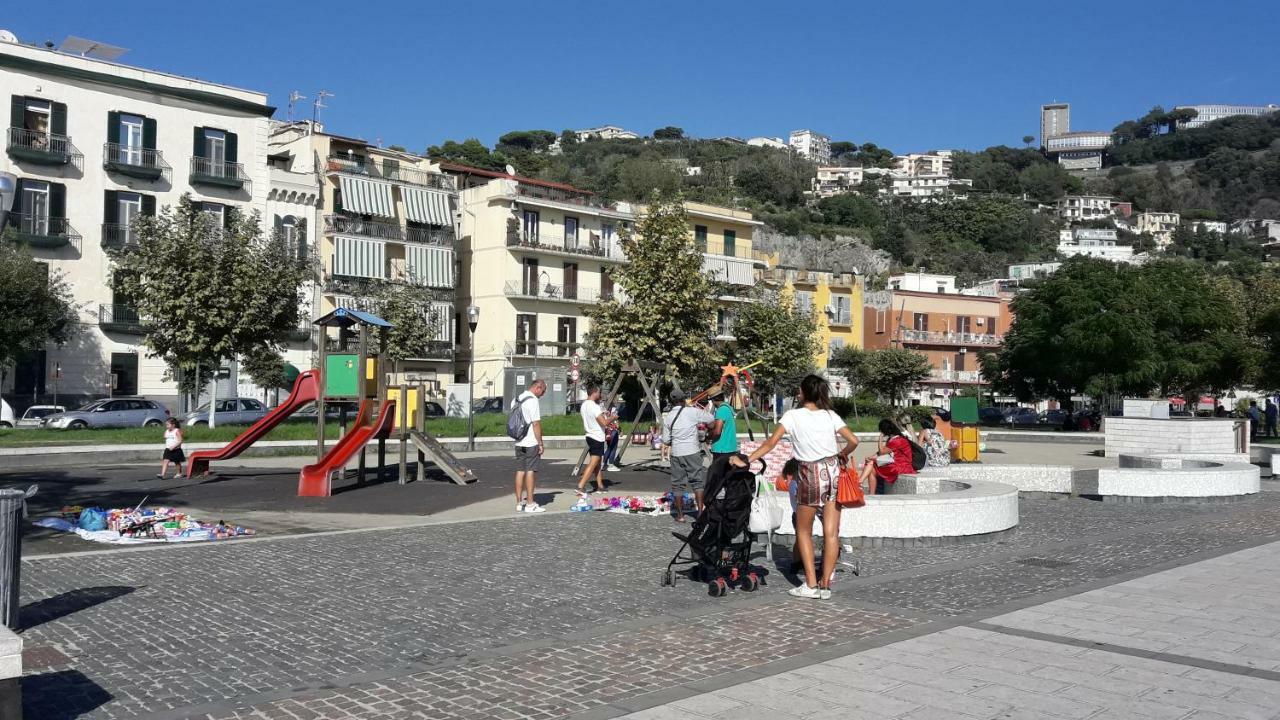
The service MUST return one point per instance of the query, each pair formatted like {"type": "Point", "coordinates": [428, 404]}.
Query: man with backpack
{"type": "Point", "coordinates": [524, 425]}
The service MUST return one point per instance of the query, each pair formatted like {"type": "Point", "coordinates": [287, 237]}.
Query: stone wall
{"type": "Point", "coordinates": [1145, 436]}
{"type": "Point", "coordinates": [1026, 478]}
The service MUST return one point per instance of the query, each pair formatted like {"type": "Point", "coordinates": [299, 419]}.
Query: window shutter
{"type": "Point", "coordinates": [113, 127]}
{"type": "Point", "coordinates": [149, 205]}
{"type": "Point", "coordinates": [18, 111]}
{"type": "Point", "coordinates": [232, 147]}
{"type": "Point", "coordinates": [111, 208]}
{"type": "Point", "coordinates": [58, 123]}
{"type": "Point", "coordinates": [149, 133]}
{"type": "Point", "coordinates": [17, 201]}
{"type": "Point", "coordinates": [228, 216]}
{"type": "Point", "coordinates": [57, 200]}
{"type": "Point", "coordinates": [279, 226]}
{"type": "Point", "coordinates": [197, 143]}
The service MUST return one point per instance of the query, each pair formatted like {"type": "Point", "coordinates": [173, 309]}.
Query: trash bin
{"type": "Point", "coordinates": [13, 509]}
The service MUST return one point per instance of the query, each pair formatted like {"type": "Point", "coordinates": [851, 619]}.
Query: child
{"type": "Point", "coordinates": [172, 450]}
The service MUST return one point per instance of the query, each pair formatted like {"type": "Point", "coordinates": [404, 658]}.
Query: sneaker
{"type": "Point", "coordinates": [519, 507]}
{"type": "Point", "coordinates": [534, 508]}
{"type": "Point", "coordinates": [824, 593]}
{"type": "Point", "coordinates": [804, 591]}
{"type": "Point", "coordinates": [160, 475]}
{"type": "Point", "coordinates": [613, 468]}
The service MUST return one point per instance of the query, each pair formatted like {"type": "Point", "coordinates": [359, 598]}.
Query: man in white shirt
{"type": "Point", "coordinates": [529, 447]}
{"type": "Point", "coordinates": [594, 421]}
{"type": "Point", "coordinates": [680, 431]}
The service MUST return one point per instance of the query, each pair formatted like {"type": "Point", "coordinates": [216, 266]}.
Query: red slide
{"type": "Point", "coordinates": [305, 390]}
{"type": "Point", "coordinates": [317, 480]}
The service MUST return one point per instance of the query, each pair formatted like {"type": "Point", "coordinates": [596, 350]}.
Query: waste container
{"type": "Point", "coordinates": [13, 509]}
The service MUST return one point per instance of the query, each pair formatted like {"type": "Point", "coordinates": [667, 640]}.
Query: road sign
{"type": "Point", "coordinates": [575, 361]}
{"type": "Point", "coordinates": [573, 374]}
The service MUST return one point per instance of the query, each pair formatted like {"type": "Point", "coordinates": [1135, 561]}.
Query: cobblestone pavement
{"type": "Point", "coordinates": [534, 616]}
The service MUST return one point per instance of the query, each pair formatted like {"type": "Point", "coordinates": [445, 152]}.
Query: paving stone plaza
{"type": "Point", "coordinates": [1086, 610]}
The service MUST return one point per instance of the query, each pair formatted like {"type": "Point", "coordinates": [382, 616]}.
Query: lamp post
{"type": "Point", "coordinates": [473, 319]}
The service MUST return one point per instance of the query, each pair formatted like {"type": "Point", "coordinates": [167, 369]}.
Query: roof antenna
{"type": "Point", "coordinates": [294, 96]}
{"type": "Point", "coordinates": [319, 103]}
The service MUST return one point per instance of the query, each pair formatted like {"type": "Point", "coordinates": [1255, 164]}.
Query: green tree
{"type": "Point", "coordinates": [665, 316]}
{"type": "Point", "coordinates": [265, 366]}
{"type": "Point", "coordinates": [526, 140]}
{"type": "Point", "coordinates": [468, 152]}
{"type": "Point", "coordinates": [35, 304]}
{"type": "Point", "coordinates": [774, 332]}
{"type": "Point", "coordinates": [669, 132]}
{"type": "Point", "coordinates": [1028, 140]}
{"type": "Point", "coordinates": [408, 309]}
{"type": "Point", "coordinates": [851, 210]}
{"type": "Point", "coordinates": [893, 372]}
{"type": "Point", "coordinates": [210, 293]}
{"type": "Point", "coordinates": [851, 362]}
{"type": "Point", "coordinates": [1048, 181]}
{"type": "Point", "coordinates": [638, 178]}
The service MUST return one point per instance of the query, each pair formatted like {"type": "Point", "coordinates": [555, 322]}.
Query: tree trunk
{"type": "Point", "coordinates": [213, 399]}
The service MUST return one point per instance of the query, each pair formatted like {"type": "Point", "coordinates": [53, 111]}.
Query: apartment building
{"type": "Point", "coordinates": [924, 282]}
{"type": "Point", "coordinates": [928, 187]}
{"type": "Point", "coordinates": [94, 144]}
{"type": "Point", "coordinates": [1032, 271]}
{"type": "Point", "coordinates": [831, 181]}
{"type": "Point", "coordinates": [952, 330]}
{"type": "Point", "coordinates": [832, 299]}
{"type": "Point", "coordinates": [811, 146]}
{"type": "Point", "coordinates": [1077, 208]}
{"type": "Point", "coordinates": [936, 163]}
{"type": "Point", "coordinates": [1096, 243]}
{"type": "Point", "coordinates": [1209, 113]}
{"type": "Point", "coordinates": [606, 132]}
{"type": "Point", "coordinates": [1260, 229]}
{"type": "Point", "coordinates": [1159, 225]}
{"type": "Point", "coordinates": [769, 142]}
{"type": "Point", "coordinates": [1083, 150]}
{"type": "Point", "coordinates": [1214, 226]}
{"type": "Point", "coordinates": [382, 217]}
{"type": "Point", "coordinates": [1055, 119]}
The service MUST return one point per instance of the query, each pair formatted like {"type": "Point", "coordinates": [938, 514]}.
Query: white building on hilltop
{"type": "Point", "coordinates": [606, 132]}
{"type": "Point", "coordinates": [924, 282]}
{"type": "Point", "coordinates": [1076, 208]}
{"type": "Point", "coordinates": [811, 146]}
{"type": "Point", "coordinates": [1209, 113]}
{"type": "Point", "coordinates": [1032, 271]}
{"type": "Point", "coordinates": [936, 163]}
{"type": "Point", "coordinates": [1079, 150]}
{"type": "Point", "coordinates": [770, 142]}
{"type": "Point", "coordinates": [94, 145]}
{"type": "Point", "coordinates": [1159, 225]}
{"type": "Point", "coordinates": [1095, 243]}
{"type": "Point", "coordinates": [929, 187]}
{"type": "Point", "coordinates": [838, 180]}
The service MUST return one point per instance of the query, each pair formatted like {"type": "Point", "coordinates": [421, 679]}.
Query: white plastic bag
{"type": "Point", "coordinates": [765, 515]}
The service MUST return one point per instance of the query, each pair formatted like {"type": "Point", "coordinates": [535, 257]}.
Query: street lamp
{"type": "Point", "coordinates": [473, 319]}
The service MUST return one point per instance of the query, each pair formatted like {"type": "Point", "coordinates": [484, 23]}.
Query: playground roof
{"type": "Point", "coordinates": [346, 317]}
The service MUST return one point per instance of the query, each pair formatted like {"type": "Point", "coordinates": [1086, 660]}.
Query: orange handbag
{"type": "Point", "coordinates": [849, 491]}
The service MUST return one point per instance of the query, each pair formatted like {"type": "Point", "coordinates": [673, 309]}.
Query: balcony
{"type": "Point", "coordinates": [840, 318]}
{"type": "Point", "coordinates": [540, 349]}
{"type": "Point", "coordinates": [955, 376]}
{"type": "Point", "coordinates": [552, 244]}
{"type": "Point", "coordinates": [134, 161]}
{"type": "Point", "coordinates": [359, 289]}
{"type": "Point", "coordinates": [540, 192]}
{"type": "Point", "coordinates": [429, 236]}
{"type": "Point", "coordinates": [42, 231]}
{"type": "Point", "coordinates": [571, 294]}
{"type": "Point", "coordinates": [118, 237]}
{"type": "Point", "coordinates": [347, 225]}
{"type": "Point", "coordinates": [400, 272]}
{"type": "Point", "coordinates": [119, 318]}
{"type": "Point", "coordinates": [355, 165]}
{"type": "Point", "coordinates": [928, 337]}
{"type": "Point", "coordinates": [436, 350]}
{"type": "Point", "coordinates": [41, 148]}
{"type": "Point", "coordinates": [302, 333]}
{"type": "Point", "coordinates": [216, 172]}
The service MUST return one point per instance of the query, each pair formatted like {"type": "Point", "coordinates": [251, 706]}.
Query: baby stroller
{"type": "Point", "coordinates": [718, 542]}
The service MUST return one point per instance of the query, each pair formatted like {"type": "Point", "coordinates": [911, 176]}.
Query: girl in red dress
{"type": "Point", "coordinates": [892, 458]}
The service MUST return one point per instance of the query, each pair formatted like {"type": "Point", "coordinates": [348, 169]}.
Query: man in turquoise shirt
{"type": "Point", "coordinates": [727, 443]}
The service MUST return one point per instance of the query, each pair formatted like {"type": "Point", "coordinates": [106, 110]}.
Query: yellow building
{"type": "Point", "coordinates": [834, 300]}
{"type": "Point", "coordinates": [726, 238]}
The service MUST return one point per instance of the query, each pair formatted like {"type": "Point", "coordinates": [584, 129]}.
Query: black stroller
{"type": "Point", "coordinates": [718, 542]}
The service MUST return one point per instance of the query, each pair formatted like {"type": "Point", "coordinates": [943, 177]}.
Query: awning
{"type": "Point", "coordinates": [716, 267]}
{"type": "Point", "coordinates": [740, 272]}
{"type": "Point", "coordinates": [429, 265]}
{"type": "Point", "coordinates": [427, 206]}
{"type": "Point", "coordinates": [366, 197]}
{"type": "Point", "coordinates": [357, 257]}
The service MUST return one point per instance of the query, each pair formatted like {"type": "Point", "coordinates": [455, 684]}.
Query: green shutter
{"type": "Point", "coordinates": [113, 127]}
{"type": "Point", "coordinates": [149, 205]}
{"type": "Point", "coordinates": [232, 147]}
{"type": "Point", "coordinates": [197, 142]}
{"type": "Point", "coordinates": [58, 123]}
{"type": "Point", "coordinates": [17, 201]}
{"type": "Point", "coordinates": [149, 133]}
{"type": "Point", "coordinates": [57, 200]}
{"type": "Point", "coordinates": [111, 208]}
{"type": "Point", "coordinates": [18, 111]}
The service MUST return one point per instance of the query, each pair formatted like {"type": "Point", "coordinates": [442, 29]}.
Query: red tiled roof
{"type": "Point", "coordinates": [455, 167]}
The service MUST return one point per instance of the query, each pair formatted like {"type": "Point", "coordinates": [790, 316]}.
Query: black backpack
{"type": "Point", "coordinates": [918, 456]}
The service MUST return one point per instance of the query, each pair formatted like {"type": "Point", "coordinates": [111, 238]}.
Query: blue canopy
{"type": "Point", "coordinates": [346, 317]}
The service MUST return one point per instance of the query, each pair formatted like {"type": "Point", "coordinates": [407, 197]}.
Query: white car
{"type": "Point", "coordinates": [6, 414]}
{"type": "Point", "coordinates": [34, 414]}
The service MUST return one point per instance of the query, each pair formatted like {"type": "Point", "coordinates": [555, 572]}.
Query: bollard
{"type": "Point", "coordinates": [13, 508]}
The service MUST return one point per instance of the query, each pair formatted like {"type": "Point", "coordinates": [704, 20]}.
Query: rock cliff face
{"type": "Point", "coordinates": [842, 253]}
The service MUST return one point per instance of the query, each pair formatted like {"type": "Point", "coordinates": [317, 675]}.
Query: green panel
{"type": "Point", "coordinates": [341, 375]}
{"type": "Point", "coordinates": [964, 410]}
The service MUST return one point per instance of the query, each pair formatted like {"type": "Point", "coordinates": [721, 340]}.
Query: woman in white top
{"type": "Point", "coordinates": [813, 428]}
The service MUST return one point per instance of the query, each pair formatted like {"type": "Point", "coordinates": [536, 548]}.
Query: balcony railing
{"type": "Point", "coordinates": [117, 237]}
{"type": "Point", "coordinates": [379, 229]}
{"type": "Point", "coordinates": [218, 172]}
{"type": "Point", "coordinates": [538, 192]}
{"type": "Point", "coordinates": [401, 272]}
{"type": "Point", "coordinates": [950, 338]}
{"type": "Point", "coordinates": [842, 318]}
{"type": "Point", "coordinates": [549, 242]}
{"type": "Point", "coordinates": [360, 289]}
{"type": "Point", "coordinates": [541, 349]}
{"type": "Point", "coordinates": [134, 161]}
{"type": "Point", "coordinates": [43, 231]}
{"type": "Point", "coordinates": [429, 236]}
{"type": "Point", "coordinates": [557, 293]}
{"type": "Point", "coordinates": [395, 173]}
{"type": "Point", "coordinates": [119, 318]}
{"type": "Point", "coordinates": [41, 148]}
{"type": "Point", "coordinates": [436, 350]}
{"type": "Point", "coordinates": [956, 376]}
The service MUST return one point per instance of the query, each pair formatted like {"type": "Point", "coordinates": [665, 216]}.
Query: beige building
{"type": "Point", "coordinates": [831, 181]}
{"type": "Point", "coordinates": [1075, 208]}
{"type": "Point", "coordinates": [935, 163]}
{"type": "Point", "coordinates": [1159, 225]}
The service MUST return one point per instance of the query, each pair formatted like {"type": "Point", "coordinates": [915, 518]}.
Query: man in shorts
{"type": "Point", "coordinates": [680, 431]}
{"type": "Point", "coordinates": [529, 447]}
{"type": "Point", "coordinates": [594, 422]}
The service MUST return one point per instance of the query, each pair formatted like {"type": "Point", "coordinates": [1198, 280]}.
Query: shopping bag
{"type": "Point", "coordinates": [764, 517]}
{"type": "Point", "coordinates": [849, 491]}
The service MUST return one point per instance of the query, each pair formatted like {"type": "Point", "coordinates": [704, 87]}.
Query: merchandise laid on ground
{"type": "Point", "coordinates": [130, 526]}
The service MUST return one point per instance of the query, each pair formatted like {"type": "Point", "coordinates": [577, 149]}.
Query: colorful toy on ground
{"type": "Point", "coordinates": [140, 525]}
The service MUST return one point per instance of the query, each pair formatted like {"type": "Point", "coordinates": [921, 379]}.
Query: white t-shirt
{"type": "Point", "coordinates": [532, 413]}
{"type": "Point", "coordinates": [813, 433]}
{"type": "Point", "coordinates": [591, 412]}
{"type": "Point", "coordinates": [171, 440]}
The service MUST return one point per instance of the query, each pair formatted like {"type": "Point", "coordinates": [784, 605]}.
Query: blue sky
{"type": "Point", "coordinates": [907, 75]}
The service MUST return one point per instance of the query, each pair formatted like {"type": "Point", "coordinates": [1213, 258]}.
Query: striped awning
{"type": "Point", "coordinates": [740, 272]}
{"type": "Point", "coordinates": [358, 257]}
{"type": "Point", "coordinates": [427, 206]}
{"type": "Point", "coordinates": [442, 316]}
{"type": "Point", "coordinates": [366, 197]}
{"type": "Point", "coordinates": [429, 265]}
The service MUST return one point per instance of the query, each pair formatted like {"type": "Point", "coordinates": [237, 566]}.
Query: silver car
{"type": "Point", "coordinates": [109, 413]}
{"type": "Point", "coordinates": [37, 413]}
{"type": "Point", "coordinates": [230, 411]}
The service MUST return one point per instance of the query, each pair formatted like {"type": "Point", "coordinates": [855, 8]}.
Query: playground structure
{"type": "Point", "coordinates": [350, 372]}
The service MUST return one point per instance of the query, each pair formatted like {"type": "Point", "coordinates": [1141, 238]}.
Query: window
{"type": "Point", "coordinates": [991, 326]}
{"type": "Point", "coordinates": [571, 281]}
{"type": "Point", "coordinates": [804, 303]}
{"type": "Point", "coordinates": [606, 285]}
{"type": "Point", "coordinates": [963, 324]}
{"type": "Point", "coordinates": [128, 207]}
{"type": "Point", "coordinates": [836, 344]}
{"type": "Point", "coordinates": [842, 310]}
{"type": "Point", "coordinates": [37, 119]}
{"type": "Point", "coordinates": [215, 151]}
{"type": "Point", "coordinates": [526, 333]}
{"type": "Point", "coordinates": [530, 226]}
{"type": "Point", "coordinates": [700, 237]}
{"type": "Point", "coordinates": [960, 360]}
{"type": "Point", "coordinates": [920, 321]}
{"type": "Point", "coordinates": [252, 405]}
{"type": "Point", "coordinates": [608, 233]}
{"type": "Point", "coordinates": [124, 376]}
{"type": "Point", "coordinates": [942, 288]}
{"type": "Point", "coordinates": [730, 243]}
{"type": "Point", "coordinates": [35, 207]}
{"type": "Point", "coordinates": [218, 211]}
{"type": "Point", "coordinates": [531, 277]}
{"type": "Point", "coordinates": [571, 232]}
{"type": "Point", "coordinates": [566, 335]}
{"type": "Point", "coordinates": [131, 137]}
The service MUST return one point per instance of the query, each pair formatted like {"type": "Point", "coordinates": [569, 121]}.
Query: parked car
{"type": "Point", "coordinates": [991, 416]}
{"type": "Point", "coordinates": [1054, 418]}
{"type": "Point", "coordinates": [34, 414]}
{"type": "Point", "coordinates": [230, 411]}
{"type": "Point", "coordinates": [433, 409]}
{"type": "Point", "coordinates": [1022, 416]}
{"type": "Point", "coordinates": [108, 413]}
{"type": "Point", "coordinates": [489, 405]}
{"type": "Point", "coordinates": [332, 411]}
{"type": "Point", "coordinates": [6, 414]}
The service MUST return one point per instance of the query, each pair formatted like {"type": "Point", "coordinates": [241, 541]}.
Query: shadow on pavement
{"type": "Point", "coordinates": [62, 695]}
{"type": "Point", "coordinates": [68, 603]}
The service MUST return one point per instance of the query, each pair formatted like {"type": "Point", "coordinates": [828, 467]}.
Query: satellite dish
{"type": "Point", "coordinates": [6, 36]}
{"type": "Point", "coordinates": [510, 170]}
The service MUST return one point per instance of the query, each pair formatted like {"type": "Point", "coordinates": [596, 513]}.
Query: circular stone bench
{"type": "Point", "coordinates": [1173, 476]}
{"type": "Point", "coordinates": [1034, 479]}
{"type": "Point", "coordinates": [923, 508]}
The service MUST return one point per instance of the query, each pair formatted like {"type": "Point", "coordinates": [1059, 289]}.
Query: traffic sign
{"type": "Point", "coordinates": [573, 374]}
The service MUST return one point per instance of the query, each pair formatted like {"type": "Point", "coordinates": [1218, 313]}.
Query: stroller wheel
{"type": "Point", "coordinates": [750, 582]}
{"type": "Point", "coordinates": [717, 587]}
